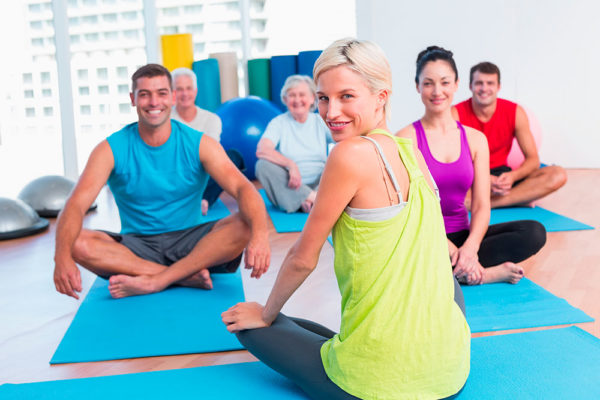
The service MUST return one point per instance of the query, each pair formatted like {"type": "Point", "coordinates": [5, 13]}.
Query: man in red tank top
{"type": "Point", "coordinates": [501, 121]}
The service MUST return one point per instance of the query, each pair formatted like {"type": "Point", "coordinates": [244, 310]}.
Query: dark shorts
{"type": "Point", "coordinates": [169, 247]}
{"type": "Point", "coordinates": [500, 170]}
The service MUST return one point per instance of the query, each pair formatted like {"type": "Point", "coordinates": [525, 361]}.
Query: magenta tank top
{"type": "Point", "coordinates": [453, 179]}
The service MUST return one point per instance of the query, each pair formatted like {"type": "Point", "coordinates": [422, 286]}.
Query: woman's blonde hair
{"type": "Point", "coordinates": [364, 57]}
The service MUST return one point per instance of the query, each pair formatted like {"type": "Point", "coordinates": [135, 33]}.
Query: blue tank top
{"type": "Point", "coordinates": [453, 179]}
{"type": "Point", "coordinates": [157, 189]}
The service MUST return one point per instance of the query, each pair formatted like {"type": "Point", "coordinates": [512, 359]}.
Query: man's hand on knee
{"type": "Point", "coordinates": [67, 278]}
{"type": "Point", "coordinates": [258, 255]}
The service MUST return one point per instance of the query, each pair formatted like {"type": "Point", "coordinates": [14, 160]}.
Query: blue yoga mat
{"type": "Point", "coordinates": [552, 364]}
{"type": "Point", "coordinates": [217, 211]}
{"type": "Point", "coordinates": [176, 321]}
{"type": "Point", "coordinates": [500, 306]}
{"type": "Point", "coordinates": [281, 68]}
{"type": "Point", "coordinates": [306, 61]}
{"type": "Point", "coordinates": [284, 222]}
{"type": "Point", "coordinates": [252, 380]}
{"type": "Point", "coordinates": [552, 222]}
{"type": "Point", "coordinates": [209, 84]}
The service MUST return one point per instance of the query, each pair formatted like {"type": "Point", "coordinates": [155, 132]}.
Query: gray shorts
{"type": "Point", "coordinates": [169, 247]}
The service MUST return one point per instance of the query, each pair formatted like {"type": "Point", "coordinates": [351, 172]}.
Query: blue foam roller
{"type": "Point", "coordinates": [209, 84]}
{"type": "Point", "coordinates": [281, 68]}
{"type": "Point", "coordinates": [306, 61]}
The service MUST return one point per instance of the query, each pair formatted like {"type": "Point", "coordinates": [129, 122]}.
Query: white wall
{"type": "Point", "coordinates": [548, 53]}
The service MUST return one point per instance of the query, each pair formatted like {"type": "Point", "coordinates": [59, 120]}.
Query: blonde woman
{"type": "Point", "coordinates": [403, 333]}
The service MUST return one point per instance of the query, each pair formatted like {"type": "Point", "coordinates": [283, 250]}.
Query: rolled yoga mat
{"type": "Point", "coordinates": [228, 72]}
{"type": "Point", "coordinates": [551, 364]}
{"type": "Point", "coordinates": [281, 68]}
{"type": "Point", "coordinates": [177, 51]}
{"type": "Point", "coordinates": [306, 61]}
{"type": "Point", "coordinates": [259, 72]}
{"type": "Point", "coordinates": [500, 306]}
{"type": "Point", "coordinates": [209, 85]}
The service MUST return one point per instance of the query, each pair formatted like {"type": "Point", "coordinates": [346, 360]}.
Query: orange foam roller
{"type": "Point", "coordinates": [177, 51]}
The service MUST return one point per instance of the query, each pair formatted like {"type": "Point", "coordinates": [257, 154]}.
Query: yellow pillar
{"type": "Point", "coordinates": [177, 50]}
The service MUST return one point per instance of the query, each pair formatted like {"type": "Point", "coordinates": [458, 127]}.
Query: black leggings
{"type": "Point", "coordinates": [510, 241]}
{"type": "Point", "coordinates": [213, 190]}
{"type": "Point", "coordinates": [292, 347]}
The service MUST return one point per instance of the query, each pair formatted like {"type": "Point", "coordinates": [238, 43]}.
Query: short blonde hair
{"type": "Point", "coordinates": [294, 80]}
{"type": "Point", "coordinates": [364, 57]}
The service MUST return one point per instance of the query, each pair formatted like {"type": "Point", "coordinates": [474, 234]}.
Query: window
{"type": "Point", "coordinates": [75, 39]}
{"type": "Point", "coordinates": [35, 24]}
{"type": "Point", "coordinates": [73, 21]}
{"type": "Point", "coordinates": [123, 89]}
{"type": "Point", "coordinates": [91, 37]}
{"type": "Point", "coordinates": [45, 76]}
{"type": "Point", "coordinates": [112, 17]}
{"type": "Point", "coordinates": [85, 110]}
{"type": "Point", "coordinates": [112, 35]}
{"type": "Point", "coordinates": [30, 112]}
{"type": "Point", "coordinates": [122, 72]}
{"type": "Point", "coordinates": [35, 8]}
{"type": "Point", "coordinates": [170, 30]}
{"type": "Point", "coordinates": [131, 33]}
{"type": "Point", "coordinates": [129, 15]}
{"type": "Point", "coordinates": [194, 9]}
{"type": "Point", "coordinates": [84, 91]}
{"type": "Point", "coordinates": [124, 108]}
{"type": "Point", "coordinates": [171, 11]}
{"type": "Point", "coordinates": [48, 111]}
{"type": "Point", "coordinates": [37, 42]}
{"type": "Point", "coordinates": [47, 92]}
{"type": "Point", "coordinates": [102, 108]}
{"type": "Point", "coordinates": [103, 89]}
{"type": "Point", "coordinates": [89, 19]}
{"type": "Point", "coordinates": [102, 73]}
{"type": "Point", "coordinates": [28, 78]}
{"type": "Point", "coordinates": [82, 74]}
{"type": "Point", "coordinates": [28, 94]}
{"type": "Point", "coordinates": [195, 28]}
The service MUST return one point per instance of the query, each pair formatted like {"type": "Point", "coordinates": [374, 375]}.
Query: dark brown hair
{"type": "Point", "coordinates": [150, 71]}
{"type": "Point", "coordinates": [434, 53]}
{"type": "Point", "coordinates": [485, 67]}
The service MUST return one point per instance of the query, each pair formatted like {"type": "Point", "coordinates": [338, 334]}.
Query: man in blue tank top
{"type": "Point", "coordinates": [157, 170]}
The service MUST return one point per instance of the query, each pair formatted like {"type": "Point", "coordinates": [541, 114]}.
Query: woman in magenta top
{"type": "Point", "coordinates": [458, 159]}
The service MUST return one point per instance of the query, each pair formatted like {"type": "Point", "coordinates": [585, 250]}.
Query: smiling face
{"type": "Point", "coordinates": [437, 85]}
{"type": "Point", "coordinates": [299, 99]}
{"type": "Point", "coordinates": [485, 88]}
{"type": "Point", "coordinates": [185, 92]}
{"type": "Point", "coordinates": [153, 100]}
{"type": "Point", "coordinates": [347, 104]}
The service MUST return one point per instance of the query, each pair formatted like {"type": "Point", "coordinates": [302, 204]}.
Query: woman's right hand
{"type": "Point", "coordinates": [243, 316]}
{"type": "Point", "coordinates": [295, 179]}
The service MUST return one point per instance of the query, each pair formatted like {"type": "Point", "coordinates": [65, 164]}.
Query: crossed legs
{"type": "Point", "coordinates": [133, 275]}
{"type": "Point", "coordinates": [538, 184]}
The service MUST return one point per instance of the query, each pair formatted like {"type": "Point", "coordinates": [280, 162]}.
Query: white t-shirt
{"type": "Point", "coordinates": [205, 121]}
{"type": "Point", "coordinates": [304, 143]}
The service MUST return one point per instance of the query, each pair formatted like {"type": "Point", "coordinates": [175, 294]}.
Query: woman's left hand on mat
{"type": "Point", "coordinates": [244, 316]}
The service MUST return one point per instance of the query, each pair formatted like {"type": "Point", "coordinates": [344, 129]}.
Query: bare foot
{"type": "Point", "coordinates": [307, 204]}
{"type": "Point", "coordinates": [505, 272]}
{"type": "Point", "coordinates": [200, 279]}
{"type": "Point", "coordinates": [124, 285]}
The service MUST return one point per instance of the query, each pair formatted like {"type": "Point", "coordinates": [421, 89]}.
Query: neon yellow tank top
{"type": "Point", "coordinates": [402, 335]}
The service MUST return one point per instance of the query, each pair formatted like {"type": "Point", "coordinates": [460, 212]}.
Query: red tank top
{"type": "Point", "coordinates": [499, 130]}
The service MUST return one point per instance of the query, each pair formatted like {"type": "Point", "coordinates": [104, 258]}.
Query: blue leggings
{"type": "Point", "coordinates": [292, 347]}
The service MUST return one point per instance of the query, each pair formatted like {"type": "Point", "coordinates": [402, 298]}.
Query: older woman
{"type": "Point", "coordinates": [403, 334]}
{"type": "Point", "coordinates": [293, 149]}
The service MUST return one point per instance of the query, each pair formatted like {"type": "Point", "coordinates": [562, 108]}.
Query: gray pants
{"type": "Point", "coordinates": [292, 347]}
{"type": "Point", "coordinates": [274, 179]}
